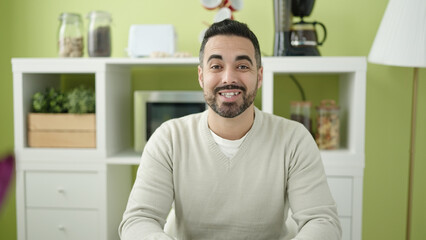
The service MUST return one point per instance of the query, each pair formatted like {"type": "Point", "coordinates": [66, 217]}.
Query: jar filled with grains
{"type": "Point", "coordinates": [70, 36]}
{"type": "Point", "coordinates": [99, 34]}
{"type": "Point", "coordinates": [328, 125]}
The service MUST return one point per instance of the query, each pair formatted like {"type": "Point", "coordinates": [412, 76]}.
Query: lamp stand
{"type": "Point", "coordinates": [412, 152]}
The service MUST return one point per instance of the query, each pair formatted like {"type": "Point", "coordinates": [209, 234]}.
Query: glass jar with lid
{"type": "Point", "coordinates": [328, 125]}
{"type": "Point", "coordinates": [99, 34]}
{"type": "Point", "coordinates": [70, 36]}
{"type": "Point", "coordinates": [301, 112]}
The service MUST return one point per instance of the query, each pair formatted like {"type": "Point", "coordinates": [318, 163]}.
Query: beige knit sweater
{"type": "Point", "coordinates": [246, 197]}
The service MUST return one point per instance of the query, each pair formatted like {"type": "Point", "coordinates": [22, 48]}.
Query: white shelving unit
{"type": "Point", "coordinates": [344, 167]}
{"type": "Point", "coordinates": [83, 192]}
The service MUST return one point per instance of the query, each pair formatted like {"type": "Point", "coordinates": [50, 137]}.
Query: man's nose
{"type": "Point", "coordinates": [229, 76]}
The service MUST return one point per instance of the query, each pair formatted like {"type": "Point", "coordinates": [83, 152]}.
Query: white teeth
{"type": "Point", "coordinates": [229, 94]}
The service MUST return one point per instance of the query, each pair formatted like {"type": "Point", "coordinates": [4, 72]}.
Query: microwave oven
{"type": "Point", "coordinates": [152, 108]}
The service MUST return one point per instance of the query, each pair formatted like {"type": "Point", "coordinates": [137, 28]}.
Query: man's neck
{"type": "Point", "coordinates": [231, 128]}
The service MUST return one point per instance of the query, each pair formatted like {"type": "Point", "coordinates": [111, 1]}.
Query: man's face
{"type": "Point", "coordinates": [229, 76]}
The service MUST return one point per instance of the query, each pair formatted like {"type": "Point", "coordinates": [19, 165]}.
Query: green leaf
{"type": "Point", "coordinates": [81, 100]}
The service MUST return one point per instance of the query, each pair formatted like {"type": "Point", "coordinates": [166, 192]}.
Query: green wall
{"type": "Point", "coordinates": [28, 28]}
{"type": "Point", "coordinates": [7, 210]}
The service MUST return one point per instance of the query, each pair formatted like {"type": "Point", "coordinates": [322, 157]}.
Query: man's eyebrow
{"type": "Point", "coordinates": [215, 56]}
{"type": "Point", "coordinates": [244, 57]}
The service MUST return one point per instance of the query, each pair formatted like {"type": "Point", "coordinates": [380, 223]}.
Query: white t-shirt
{"type": "Point", "coordinates": [228, 147]}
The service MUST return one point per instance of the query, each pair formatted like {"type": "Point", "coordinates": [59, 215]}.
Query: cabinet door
{"type": "Point", "coordinates": [346, 228]}
{"type": "Point", "coordinates": [62, 189]}
{"type": "Point", "coordinates": [342, 190]}
{"type": "Point", "coordinates": [59, 224]}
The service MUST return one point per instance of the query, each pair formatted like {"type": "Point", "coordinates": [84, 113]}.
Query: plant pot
{"type": "Point", "coordinates": [61, 130]}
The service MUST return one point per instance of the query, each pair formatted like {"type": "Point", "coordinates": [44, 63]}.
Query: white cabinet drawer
{"type": "Point", "coordinates": [62, 224]}
{"type": "Point", "coordinates": [342, 190]}
{"type": "Point", "coordinates": [62, 189]}
{"type": "Point", "coordinates": [346, 228]}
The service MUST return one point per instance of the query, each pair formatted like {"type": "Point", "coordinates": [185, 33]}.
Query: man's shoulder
{"type": "Point", "coordinates": [185, 121]}
{"type": "Point", "coordinates": [177, 128]}
{"type": "Point", "coordinates": [276, 119]}
{"type": "Point", "coordinates": [184, 124]}
{"type": "Point", "coordinates": [281, 125]}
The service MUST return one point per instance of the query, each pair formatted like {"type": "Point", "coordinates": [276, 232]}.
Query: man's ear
{"type": "Point", "coordinates": [200, 76]}
{"type": "Point", "coordinates": [259, 77]}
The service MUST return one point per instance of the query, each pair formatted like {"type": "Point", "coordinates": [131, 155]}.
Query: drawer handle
{"type": "Point", "coordinates": [61, 190]}
{"type": "Point", "coordinates": [61, 228]}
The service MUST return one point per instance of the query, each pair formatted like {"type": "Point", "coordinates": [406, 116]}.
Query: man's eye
{"type": "Point", "coordinates": [243, 67]}
{"type": "Point", "coordinates": [215, 67]}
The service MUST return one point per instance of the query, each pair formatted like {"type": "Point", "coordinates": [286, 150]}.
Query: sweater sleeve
{"type": "Point", "coordinates": [152, 194]}
{"type": "Point", "coordinates": [314, 209]}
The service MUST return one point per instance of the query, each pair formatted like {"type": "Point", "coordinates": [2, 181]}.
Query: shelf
{"type": "Point", "coordinates": [314, 64]}
{"type": "Point", "coordinates": [90, 65]}
{"type": "Point", "coordinates": [60, 155]}
{"type": "Point", "coordinates": [126, 157]}
{"type": "Point", "coordinates": [113, 158]}
{"type": "Point", "coordinates": [113, 81]}
{"type": "Point", "coordinates": [274, 64]}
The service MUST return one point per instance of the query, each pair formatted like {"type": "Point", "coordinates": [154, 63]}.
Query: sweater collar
{"type": "Point", "coordinates": [257, 123]}
{"type": "Point", "coordinates": [204, 129]}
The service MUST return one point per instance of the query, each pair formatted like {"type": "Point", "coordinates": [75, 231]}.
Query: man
{"type": "Point", "coordinates": [232, 171]}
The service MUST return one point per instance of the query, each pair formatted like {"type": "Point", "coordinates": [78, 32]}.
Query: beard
{"type": "Point", "coordinates": [230, 109]}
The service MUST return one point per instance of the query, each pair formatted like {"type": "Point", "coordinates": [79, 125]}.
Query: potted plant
{"type": "Point", "coordinates": [63, 119]}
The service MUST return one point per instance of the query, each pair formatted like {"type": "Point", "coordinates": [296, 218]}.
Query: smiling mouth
{"type": "Point", "coordinates": [229, 94]}
{"type": "Point", "coordinates": [230, 91]}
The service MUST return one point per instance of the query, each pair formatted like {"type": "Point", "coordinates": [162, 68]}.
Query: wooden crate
{"type": "Point", "coordinates": [62, 130]}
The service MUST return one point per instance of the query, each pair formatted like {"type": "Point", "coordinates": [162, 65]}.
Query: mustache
{"type": "Point", "coordinates": [229, 87]}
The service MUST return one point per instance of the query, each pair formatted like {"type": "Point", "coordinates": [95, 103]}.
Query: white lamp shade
{"type": "Point", "coordinates": [401, 38]}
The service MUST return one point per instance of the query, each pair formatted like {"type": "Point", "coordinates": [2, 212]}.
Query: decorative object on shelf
{"type": "Point", "coordinates": [63, 120]}
{"type": "Point", "coordinates": [70, 36]}
{"type": "Point", "coordinates": [300, 38]}
{"type": "Point", "coordinates": [211, 4]}
{"type": "Point", "coordinates": [61, 130]}
{"type": "Point", "coordinates": [81, 100]}
{"type": "Point", "coordinates": [301, 112]}
{"type": "Point", "coordinates": [401, 41]}
{"type": "Point", "coordinates": [328, 125]}
{"type": "Point", "coordinates": [148, 39]}
{"type": "Point", "coordinates": [226, 8]}
{"type": "Point", "coordinates": [175, 55]}
{"type": "Point", "coordinates": [99, 34]}
{"type": "Point", "coordinates": [49, 101]}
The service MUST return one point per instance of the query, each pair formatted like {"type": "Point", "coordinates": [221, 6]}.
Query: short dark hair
{"type": "Point", "coordinates": [231, 28]}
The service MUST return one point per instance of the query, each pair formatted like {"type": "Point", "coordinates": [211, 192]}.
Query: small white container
{"type": "Point", "coordinates": [145, 40]}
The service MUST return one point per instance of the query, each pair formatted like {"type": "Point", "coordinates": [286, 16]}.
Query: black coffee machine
{"type": "Point", "coordinates": [299, 38]}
